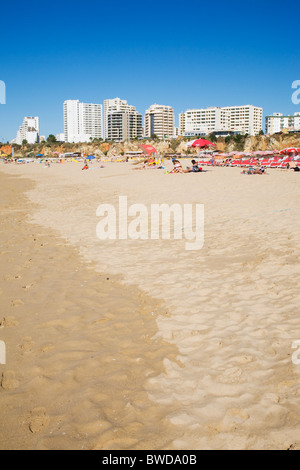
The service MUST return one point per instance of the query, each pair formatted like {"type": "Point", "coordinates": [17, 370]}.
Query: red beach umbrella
{"type": "Point", "coordinates": [149, 149]}
{"type": "Point", "coordinates": [200, 143]}
{"type": "Point", "coordinates": [290, 150]}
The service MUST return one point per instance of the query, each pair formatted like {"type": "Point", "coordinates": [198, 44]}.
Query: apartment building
{"type": "Point", "coordinates": [279, 122]}
{"type": "Point", "coordinates": [112, 106]}
{"type": "Point", "coordinates": [60, 137]}
{"type": "Point", "coordinates": [124, 125]}
{"type": "Point", "coordinates": [159, 120]}
{"type": "Point", "coordinates": [82, 121]}
{"type": "Point", "coordinates": [203, 121]}
{"type": "Point", "coordinates": [241, 119]}
{"type": "Point", "coordinates": [28, 131]}
{"type": "Point", "coordinates": [246, 119]}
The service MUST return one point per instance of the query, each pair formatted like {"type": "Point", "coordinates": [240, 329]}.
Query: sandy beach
{"type": "Point", "coordinates": [142, 344]}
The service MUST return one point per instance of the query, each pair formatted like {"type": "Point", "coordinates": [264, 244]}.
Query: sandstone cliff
{"type": "Point", "coordinates": [275, 142]}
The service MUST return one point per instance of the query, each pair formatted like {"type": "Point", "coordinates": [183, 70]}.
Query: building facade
{"type": "Point", "coordinates": [203, 121]}
{"type": "Point", "coordinates": [279, 123]}
{"type": "Point", "coordinates": [28, 131]}
{"type": "Point", "coordinates": [246, 119]}
{"type": "Point", "coordinates": [124, 125]}
{"type": "Point", "coordinates": [239, 119]}
{"type": "Point", "coordinates": [82, 121]}
{"type": "Point", "coordinates": [60, 137]}
{"type": "Point", "coordinates": [112, 106]}
{"type": "Point", "coordinates": [159, 120]}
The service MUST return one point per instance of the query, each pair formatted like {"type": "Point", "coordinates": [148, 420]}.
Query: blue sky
{"type": "Point", "coordinates": [187, 55]}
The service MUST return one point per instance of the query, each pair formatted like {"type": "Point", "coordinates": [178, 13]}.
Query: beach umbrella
{"type": "Point", "coordinates": [39, 155]}
{"type": "Point", "coordinates": [290, 151]}
{"type": "Point", "coordinates": [90, 157]}
{"type": "Point", "coordinates": [149, 149]}
{"type": "Point", "coordinates": [200, 143]}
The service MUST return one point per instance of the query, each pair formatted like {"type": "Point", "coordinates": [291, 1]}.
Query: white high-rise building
{"type": "Point", "coordinates": [242, 119]}
{"type": "Point", "coordinates": [159, 120]}
{"type": "Point", "coordinates": [82, 121]}
{"type": "Point", "coordinates": [203, 121]}
{"type": "Point", "coordinates": [29, 131]}
{"type": "Point", "coordinates": [60, 137]}
{"type": "Point", "coordinates": [279, 122]}
{"type": "Point", "coordinates": [114, 105]}
{"type": "Point", "coordinates": [246, 119]}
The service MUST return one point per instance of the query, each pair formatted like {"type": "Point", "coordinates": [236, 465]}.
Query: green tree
{"type": "Point", "coordinates": [174, 144]}
{"type": "Point", "coordinates": [24, 142]}
{"type": "Point", "coordinates": [212, 137]}
{"type": "Point", "coordinates": [51, 139]}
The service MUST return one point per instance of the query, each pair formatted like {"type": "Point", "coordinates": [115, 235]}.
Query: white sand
{"type": "Point", "coordinates": [231, 309]}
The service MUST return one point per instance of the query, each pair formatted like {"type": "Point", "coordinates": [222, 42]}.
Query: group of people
{"type": "Point", "coordinates": [177, 167]}
{"type": "Point", "coordinates": [252, 170]}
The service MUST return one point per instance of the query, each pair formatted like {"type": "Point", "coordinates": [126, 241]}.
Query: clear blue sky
{"type": "Point", "coordinates": [184, 54]}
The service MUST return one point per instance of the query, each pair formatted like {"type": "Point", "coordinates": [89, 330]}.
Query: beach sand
{"type": "Point", "coordinates": [178, 349]}
{"type": "Point", "coordinates": [79, 345]}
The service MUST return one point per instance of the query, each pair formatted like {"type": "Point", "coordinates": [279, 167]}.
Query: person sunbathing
{"type": "Point", "coordinates": [177, 167]}
{"type": "Point", "coordinates": [254, 171]}
{"type": "Point", "coordinates": [194, 169]}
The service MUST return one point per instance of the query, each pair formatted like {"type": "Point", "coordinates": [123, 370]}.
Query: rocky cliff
{"type": "Point", "coordinates": [275, 142]}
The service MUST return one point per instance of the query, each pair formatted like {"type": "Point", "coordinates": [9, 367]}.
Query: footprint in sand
{"type": "Point", "coordinates": [38, 420]}
{"type": "Point", "coordinates": [17, 303]}
{"type": "Point", "coordinates": [231, 376]}
{"type": "Point", "coordinates": [8, 322]}
{"type": "Point", "coordinates": [233, 418]}
{"type": "Point", "coordinates": [9, 381]}
{"type": "Point", "coordinates": [26, 345]}
{"type": "Point", "coordinates": [47, 347]}
{"type": "Point", "coordinates": [28, 286]}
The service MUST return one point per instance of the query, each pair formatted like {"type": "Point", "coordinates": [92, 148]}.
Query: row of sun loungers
{"type": "Point", "coordinates": [265, 163]}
